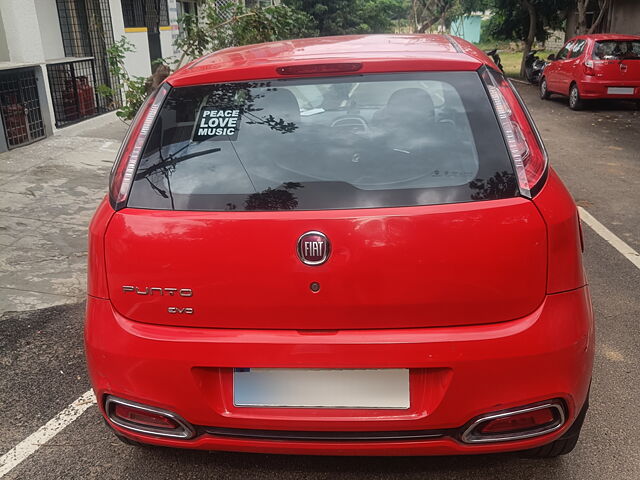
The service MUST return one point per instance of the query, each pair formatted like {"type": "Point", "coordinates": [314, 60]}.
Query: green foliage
{"type": "Point", "coordinates": [134, 87]}
{"type": "Point", "coordinates": [425, 14]}
{"type": "Point", "coordinates": [218, 25]}
{"type": "Point", "coordinates": [342, 17]}
{"type": "Point", "coordinates": [230, 24]}
{"type": "Point", "coordinates": [486, 35]}
{"type": "Point", "coordinates": [510, 20]}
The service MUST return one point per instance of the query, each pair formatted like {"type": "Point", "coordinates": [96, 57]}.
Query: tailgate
{"type": "Point", "coordinates": [619, 71]}
{"type": "Point", "coordinates": [426, 266]}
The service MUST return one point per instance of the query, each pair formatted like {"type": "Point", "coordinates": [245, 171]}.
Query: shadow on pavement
{"type": "Point", "coordinates": [288, 466]}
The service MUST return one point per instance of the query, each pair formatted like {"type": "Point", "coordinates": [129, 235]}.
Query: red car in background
{"type": "Point", "coordinates": [593, 67]}
{"type": "Point", "coordinates": [343, 246]}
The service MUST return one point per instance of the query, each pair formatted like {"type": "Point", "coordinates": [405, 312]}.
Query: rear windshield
{"type": "Point", "coordinates": [617, 50]}
{"type": "Point", "coordinates": [325, 143]}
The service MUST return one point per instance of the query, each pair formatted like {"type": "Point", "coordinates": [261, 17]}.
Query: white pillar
{"type": "Point", "coordinates": [22, 31]}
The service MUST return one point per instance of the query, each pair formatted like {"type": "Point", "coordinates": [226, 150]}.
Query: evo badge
{"type": "Point", "coordinates": [313, 248]}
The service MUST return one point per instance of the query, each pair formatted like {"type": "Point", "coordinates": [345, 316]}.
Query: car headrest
{"type": "Point", "coordinates": [280, 103]}
{"type": "Point", "coordinates": [407, 106]}
{"type": "Point", "coordinates": [408, 100]}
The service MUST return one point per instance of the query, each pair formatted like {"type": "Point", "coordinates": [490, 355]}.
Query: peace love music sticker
{"type": "Point", "coordinates": [217, 124]}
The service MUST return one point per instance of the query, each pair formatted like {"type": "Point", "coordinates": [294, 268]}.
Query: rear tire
{"type": "Point", "coordinates": [575, 102]}
{"type": "Point", "coordinates": [565, 444]}
{"type": "Point", "coordinates": [544, 90]}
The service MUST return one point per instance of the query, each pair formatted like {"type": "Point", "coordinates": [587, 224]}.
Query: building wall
{"type": "Point", "coordinates": [467, 27]}
{"type": "Point", "coordinates": [625, 17]}
{"type": "Point", "coordinates": [169, 34]}
{"type": "Point", "coordinates": [555, 41]}
{"type": "Point", "coordinates": [49, 24]}
{"type": "Point", "coordinates": [31, 31]}
{"type": "Point", "coordinates": [166, 42]}
{"type": "Point", "coordinates": [30, 36]}
{"type": "Point", "coordinates": [138, 63]}
{"type": "Point", "coordinates": [4, 48]}
{"type": "Point", "coordinates": [22, 31]}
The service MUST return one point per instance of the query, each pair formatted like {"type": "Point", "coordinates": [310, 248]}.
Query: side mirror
{"type": "Point", "coordinates": [551, 57]}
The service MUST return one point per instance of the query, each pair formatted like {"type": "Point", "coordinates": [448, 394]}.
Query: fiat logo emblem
{"type": "Point", "coordinates": [313, 248]}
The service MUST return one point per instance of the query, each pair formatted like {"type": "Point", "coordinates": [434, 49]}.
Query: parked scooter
{"type": "Point", "coordinates": [533, 67]}
{"type": "Point", "coordinates": [496, 58]}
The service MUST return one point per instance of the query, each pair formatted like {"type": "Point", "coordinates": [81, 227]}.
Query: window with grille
{"type": "Point", "coordinates": [20, 107]}
{"type": "Point", "coordinates": [86, 32]}
{"type": "Point", "coordinates": [143, 13]}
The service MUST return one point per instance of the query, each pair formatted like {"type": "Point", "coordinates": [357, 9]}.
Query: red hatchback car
{"type": "Point", "coordinates": [343, 246]}
{"type": "Point", "coordinates": [594, 66]}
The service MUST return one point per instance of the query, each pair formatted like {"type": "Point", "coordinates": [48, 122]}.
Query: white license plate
{"type": "Point", "coordinates": [620, 90]}
{"type": "Point", "coordinates": [321, 388]}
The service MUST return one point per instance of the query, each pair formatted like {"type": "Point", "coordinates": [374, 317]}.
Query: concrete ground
{"type": "Point", "coordinates": [41, 359]}
{"type": "Point", "coordinates": [48, 192]}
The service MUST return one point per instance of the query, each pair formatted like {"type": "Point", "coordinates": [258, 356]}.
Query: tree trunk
{"type": "Point", "coordinates": [436, 12]}
{"type": "Point", "coordinates": [427, 25]}
{"type": "Point", "coordinates": [604, 8]}
{"type": "Point", "coordinates": [416, 22]}
{"type": "Point", "coordinates": [533, 22]}
{"type": "Point", "coordinates": [581, 27]}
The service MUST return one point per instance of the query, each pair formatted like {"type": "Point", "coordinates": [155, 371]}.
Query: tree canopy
{"type": "Point", "coordinates": [510, 20]}
{"type": "Point", "coordinates": [341, 17]}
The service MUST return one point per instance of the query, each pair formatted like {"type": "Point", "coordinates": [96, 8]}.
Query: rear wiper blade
{"type": "Point", "coordinates": [172, 160]}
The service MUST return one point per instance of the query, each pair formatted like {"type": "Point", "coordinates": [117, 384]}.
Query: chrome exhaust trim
{"type": "Point", "coordinates": [470, 435]}
{"type": "Point", "coordinates": [185, 430]}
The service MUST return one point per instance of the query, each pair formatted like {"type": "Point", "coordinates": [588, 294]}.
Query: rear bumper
{"type": "Point", "coordinates": [457, 373]}
{"type": "Point", "coordinates": [593, 88]}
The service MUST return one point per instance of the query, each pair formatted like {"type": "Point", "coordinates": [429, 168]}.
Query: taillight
{"type": "Point", "coordinates": [127, 161]}
{"type": "Point", "coordinates": [589, 68]}
{"type": "Point", "coordinates": [143, 417]}
{"type": "Point", "coordinates": [526, 149]}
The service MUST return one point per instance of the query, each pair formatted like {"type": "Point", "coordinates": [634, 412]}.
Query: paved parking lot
{"type": "Point", "coordinates": [41, 360]}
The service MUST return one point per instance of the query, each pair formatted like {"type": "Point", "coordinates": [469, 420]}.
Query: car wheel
{"type": "Point", "coordinates": [544, 91]}
{"type": "Point", "coordinates": [575, 102]}
{"type": "Point", "coordinates": [565, 444]}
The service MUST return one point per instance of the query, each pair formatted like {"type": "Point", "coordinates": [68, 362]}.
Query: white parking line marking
{"type": "Point", "coordinates": [610, 237]}
{"type": "Point", "coordinates": [33, 442]}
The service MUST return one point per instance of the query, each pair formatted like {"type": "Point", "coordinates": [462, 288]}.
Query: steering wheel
{"type": "Point", "coordinates": [351, 124]}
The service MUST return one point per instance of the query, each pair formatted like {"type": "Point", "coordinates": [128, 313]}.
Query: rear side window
{"type": "Point", "coordinates": [577, 48]}
{"type": "Point", "coordinates": [325, 143]}
{"type": "Point", "coordinates": [564, 51]}
{"type": "Point", "coordinates": [617, 50]}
